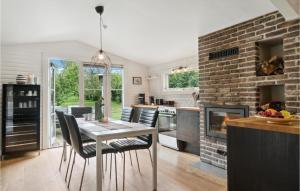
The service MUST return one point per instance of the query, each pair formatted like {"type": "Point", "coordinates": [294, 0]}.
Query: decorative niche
{"type": "Point", "coordinates": [271, 93]}
{"type": "Point", "coordinates": [270, 60]}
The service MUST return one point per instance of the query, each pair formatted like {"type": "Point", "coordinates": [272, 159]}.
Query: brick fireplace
{"type": "Point", "coordinates": [232, 76]}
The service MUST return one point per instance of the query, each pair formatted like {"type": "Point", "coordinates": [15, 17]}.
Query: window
{"type": "Point", "coordinates": [93, 76]}
{"type": "Point", "coordinates": [116, 92]}
{"type": "Point", "coordinates": [93, 87]}
{"type": "Point", "coordinates": [66, 82]}
{"type": "Point", "coordinates": [182, 80]}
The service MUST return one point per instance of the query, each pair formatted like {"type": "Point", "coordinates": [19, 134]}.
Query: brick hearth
{"type": "Point", "coordinates": [233, 79]}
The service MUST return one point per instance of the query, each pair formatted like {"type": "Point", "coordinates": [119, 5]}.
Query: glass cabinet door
{"type": "Point", "coordinates": [21, 119]}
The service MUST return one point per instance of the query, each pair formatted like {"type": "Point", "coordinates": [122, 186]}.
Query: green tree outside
{"type": "Point", "coordinates": [184, 79]}
{"type": "Point", "coordinates": [67, 87]}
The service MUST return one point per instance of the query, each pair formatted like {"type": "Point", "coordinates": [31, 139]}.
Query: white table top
{"type": "Point", "coordinates": [113, 129]}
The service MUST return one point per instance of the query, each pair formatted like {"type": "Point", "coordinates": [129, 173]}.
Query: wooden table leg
{"type": "Point", "coordinates": [154, 154]}
{"type": "Point", "coordinates": [99, 165]}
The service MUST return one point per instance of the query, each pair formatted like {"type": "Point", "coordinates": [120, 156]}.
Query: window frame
{"type": "Point", "coordinates": [166, 89]}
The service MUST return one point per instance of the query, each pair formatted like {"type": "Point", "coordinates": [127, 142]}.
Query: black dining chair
{"type": "Point", "coordinates": [66, 137]}
{"type": "Point", "coordinates": [127, 114]}
{"type": "Point", "coordinates": [148, 118]}
{"type": "Point", "coordinates": [79, 111]}
{"type": "Point", "coordinates": [85, 151]}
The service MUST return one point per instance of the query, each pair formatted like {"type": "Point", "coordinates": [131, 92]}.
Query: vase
{"type": "Point", "coordinates": [99, 110]}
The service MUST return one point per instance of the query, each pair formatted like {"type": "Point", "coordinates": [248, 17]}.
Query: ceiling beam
{"type": "Point", "coordinates": [288, 8]}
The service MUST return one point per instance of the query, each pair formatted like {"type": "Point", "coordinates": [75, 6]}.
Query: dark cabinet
{"type": "Point", "coordinates": [188, 130]}
{"type": "Point", "coordinates": [262, 160]}
{"type": "Point", "coordinates": [20, 118]}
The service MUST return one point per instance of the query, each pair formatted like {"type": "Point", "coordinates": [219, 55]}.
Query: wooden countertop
{"type": "Point", "coordinates": [262, 124]}
{"type": "Point", "coordinates": [146, 106]}
{"type": "Point", "coordinates": [196, 109]}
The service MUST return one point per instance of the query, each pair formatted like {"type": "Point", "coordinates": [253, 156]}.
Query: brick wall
{"type": "Point", "coordinates": [233, 79]}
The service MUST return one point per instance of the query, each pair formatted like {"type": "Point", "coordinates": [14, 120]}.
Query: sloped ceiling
{"type": "Point", "coordinates": [146, 31]}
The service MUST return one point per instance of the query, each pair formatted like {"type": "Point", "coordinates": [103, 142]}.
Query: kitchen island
{"type": "Point", "coordinates": [262, 156]}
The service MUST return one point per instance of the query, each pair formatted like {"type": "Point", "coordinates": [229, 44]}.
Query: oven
{"type": "Point", "coordinates": [166, 119]}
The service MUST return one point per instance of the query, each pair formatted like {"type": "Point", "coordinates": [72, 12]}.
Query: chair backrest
{"type": "Point", "coordinates": [127, 114]}
{"type": "Point", "coordinates": [63, 126]}
{"type": "Point", "coordinates": [74, 133]}
{"type": "Point", "coordinates": [79, 111]}
{"type": "Point", "coordinates": [148, 118]}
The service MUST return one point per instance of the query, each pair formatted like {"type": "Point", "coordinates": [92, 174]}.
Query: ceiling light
{"type": "Point", "coordinates": [101, 58]}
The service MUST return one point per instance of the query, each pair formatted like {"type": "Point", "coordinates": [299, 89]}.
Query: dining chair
{"type": "Point", "coordinates": [66, 138]}
{"type": "Point", "coordinates": [79, 111]}
{"type": "Point", "coordinates": [85, 151]}
{"type": "Point", "coordinates": [148, 118]}
{"type": "Point", "coordinates": [127, 114]}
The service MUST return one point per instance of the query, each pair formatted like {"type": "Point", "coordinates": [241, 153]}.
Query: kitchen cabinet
{"type": "Point", "coordinates": [188, 129]}
{"type": "Point", "coordinates": [262, 156]}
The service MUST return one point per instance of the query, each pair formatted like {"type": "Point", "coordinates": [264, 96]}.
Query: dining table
{"type": "Point", "coordinates": [116, 129]}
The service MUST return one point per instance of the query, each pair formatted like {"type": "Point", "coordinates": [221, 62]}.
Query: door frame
{"type": "Point", "coordinates": [45, 130]}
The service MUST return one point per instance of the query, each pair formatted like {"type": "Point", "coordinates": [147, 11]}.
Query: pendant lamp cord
{"type": "Point", "coordinates": [101, 32]}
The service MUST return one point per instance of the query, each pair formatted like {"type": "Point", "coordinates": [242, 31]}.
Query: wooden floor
{"type": "Point", "coordinates": [40, 173]}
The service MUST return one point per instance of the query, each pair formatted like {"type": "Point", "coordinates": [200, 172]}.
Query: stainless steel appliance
{"type": "Point", "coordinates": [167, 127]}
{"type": "Point", "coordinates": [166, 118]}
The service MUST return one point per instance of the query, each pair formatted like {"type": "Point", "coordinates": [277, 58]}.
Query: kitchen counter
{"type": "Point", "coordinates": [196, 109]}
{"type": "Point", "coordinates": [146, 106]}
{"type": "Point", "coordinates": [262, 124]}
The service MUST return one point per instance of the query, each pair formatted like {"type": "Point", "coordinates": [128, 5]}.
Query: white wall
{"type": "Point", "coordinates": [182, 98]}
{"type": "Point", "coordinates": [33, 58]}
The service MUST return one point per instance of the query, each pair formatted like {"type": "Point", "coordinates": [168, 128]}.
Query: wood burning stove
{"type": "Point", "coordinates": [215, 117]}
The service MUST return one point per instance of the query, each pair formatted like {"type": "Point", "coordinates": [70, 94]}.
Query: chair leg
{"type": "Point", "coordinates": [68, 164]}
{"type": "Point", "coordinates": [62, 156]}
{"type": "Point", "coordinates": [82, 175]}
{"type": "Point", "coordinates": [105, 162]}
{"type": "Point", "coordinates": [105, 159]}
{"type": "Point", "coordinates": [110, 166]}
{"type": "Point", "coordinates": [116, 174]}
{"type": "Point", "coordinates": [150, 157]}
{"type": "Point", "coordinates": [130, 157]}
{"type": "Point", "coordinates": [72, 169]}
{"type": "Point", "coordinates": [137, 160]}
{"type": "Point", "coordinates": [102, 168]}
{"type": "Point", "coordinates": [124, 172]}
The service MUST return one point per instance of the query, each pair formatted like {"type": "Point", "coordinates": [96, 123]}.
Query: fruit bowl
{"type": "Point", "coordinates": [292, 119]}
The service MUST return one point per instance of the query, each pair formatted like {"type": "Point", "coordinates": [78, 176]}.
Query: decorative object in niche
{"type": "Point", "coordinates": [224, 53]}
{"type": "Point", "coordinates": [270, 52]}
{"type": "Point", "coordinates": [137, 80]}
{"type": "Point", "coordinates": [274, 66]}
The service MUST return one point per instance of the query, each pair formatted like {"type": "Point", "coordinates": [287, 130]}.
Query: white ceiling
{"type": "Point", "coordinates": [146, 31]}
